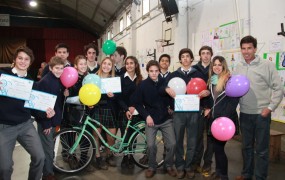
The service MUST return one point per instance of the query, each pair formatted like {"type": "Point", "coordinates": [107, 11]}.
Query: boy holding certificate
{"type": "Point", "coordinates": [184, 120]}
{"type": "Point", "coordinates": [51, 83]}
{"type": "Point", "coordinates": [153, 107]}
{"type": "Point", "coordinates": [16, 123]}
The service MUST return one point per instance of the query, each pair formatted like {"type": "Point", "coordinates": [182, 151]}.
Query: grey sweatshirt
{"type": "Point", "coordinates": [265, 86]}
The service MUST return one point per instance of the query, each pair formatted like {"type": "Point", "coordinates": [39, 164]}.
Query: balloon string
{"type": "Point", "coordinates": [63, 107]}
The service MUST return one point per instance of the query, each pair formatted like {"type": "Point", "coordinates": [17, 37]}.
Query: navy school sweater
{"type": "Point", "coordinates": [148, 101]}
{"type": "Point", "coordinates": [12, 111]}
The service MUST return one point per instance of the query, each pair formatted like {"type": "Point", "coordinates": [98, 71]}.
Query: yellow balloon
{"type": "Point", "coordinates": [89, 94]}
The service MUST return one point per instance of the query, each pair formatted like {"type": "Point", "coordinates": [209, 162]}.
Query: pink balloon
{"type": "Point", "coordinates": [69, 77]}
{"type": "Point", "coordinates": [223, 128]}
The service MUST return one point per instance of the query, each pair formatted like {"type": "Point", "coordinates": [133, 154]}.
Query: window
{"type": "Point", "coordinates": [121, 24]}
{"type": "Point", "coordinates": [128, 18]}
{"type": "Point", "coordinates": [145, 7]}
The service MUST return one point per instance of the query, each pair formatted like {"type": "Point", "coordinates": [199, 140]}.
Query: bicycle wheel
{"type": "Point", "coordinates": [82, 156]}
{"type": "Point", "coordinates": [139, 149]}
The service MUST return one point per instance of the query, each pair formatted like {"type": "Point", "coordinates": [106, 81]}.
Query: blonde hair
{"type": "Point", "coordinates": [112, 72]}
{"type": "Point", "coordinates": [223, 76]}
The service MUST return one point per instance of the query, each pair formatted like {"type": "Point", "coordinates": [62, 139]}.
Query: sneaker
{"type": "Point", "coordinates": [111, 160]}
{"type": "Point", "coordinates": [49, 177]}
{"type": "Point", "coordinates": [180, 174]}
{"type": "Point", "coordinates": [171, 172]}
{"type": "Point", "coordinates": [190, 174]}
{"type": "Point", "coordinates": [131, 164]}
{"type": "Point", "coordinates": [149, 173]}
{"type": "Point", "coordinates": [101, 163]}
{"type": "Point", "coordinates": [144, 160]}
{"type": "Point", "coordinates": [206, 168]}
{"type": "Point", "coordinates": [125, 161]}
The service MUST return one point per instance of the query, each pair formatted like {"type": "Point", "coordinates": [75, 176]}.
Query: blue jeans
{"type": "Point", "coordinates": [26, 134]}
{"type": "Point", "coordinates": [188, 121]}
{"type": "Point", "coordinates": [255, 129]}
{"type": "Point", "coordinates": [168, 136]}
{"type": "Point", "coordinates": [48, 146]}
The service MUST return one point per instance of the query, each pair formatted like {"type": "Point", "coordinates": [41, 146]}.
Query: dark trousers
{"type": "Point", "coordinates": [255, 131]}
{"type": "Point", "coordinates": [208, 154]}
{"type": "Point", "coordinates": [221, 158]}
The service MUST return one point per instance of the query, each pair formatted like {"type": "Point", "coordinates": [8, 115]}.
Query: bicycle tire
{"type": "Point", "coordinates": [138, 147]}
{"type": "Point", "coordinates": [80, 159]}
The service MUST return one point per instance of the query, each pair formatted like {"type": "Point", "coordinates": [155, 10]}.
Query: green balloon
{"type": "Point", "coordinates": [109, 47]}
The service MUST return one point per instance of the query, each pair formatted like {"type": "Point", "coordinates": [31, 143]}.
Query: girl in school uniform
{"type": "Point", "coordinates": [129, 82]}
{"type": "Point", "coordinates": [75, 111]}
{"type": "Point", "coordinates": [221, 106]}
{"type": "Point", "coordinates": [104, 112]}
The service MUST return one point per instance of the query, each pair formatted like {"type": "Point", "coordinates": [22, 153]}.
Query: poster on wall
{"type": "Point", "coordinates": [279, 113]}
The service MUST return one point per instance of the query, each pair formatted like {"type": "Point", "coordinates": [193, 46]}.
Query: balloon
{"type": "Point", "coordinates": [89, 94]}
{"type": "Point", "coordinates": [69, 77]}
{"type": "Point", "coordinates": [109, 47]}
{"type": "Point", "coordinates": [237, 86]}
{"type": "Point", "coordinates": [178, 85]}
{"type": "Point", "coordinates": [196, 85]}
{"type": "Point", "coordinates": [92, 79]}
{"type": "Point", "coordinates": [223, 129]}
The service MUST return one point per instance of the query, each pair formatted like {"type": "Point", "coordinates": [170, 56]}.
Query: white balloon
{"type": "Point", "coordinates": [178, 85]}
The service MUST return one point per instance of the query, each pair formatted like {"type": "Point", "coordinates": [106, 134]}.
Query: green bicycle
{"type": "Point", "coordinates": [79, 145]}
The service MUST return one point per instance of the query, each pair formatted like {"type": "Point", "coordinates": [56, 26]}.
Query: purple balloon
{"type": "Point", "coordinates": [237, 86]}
{"type": "Point", "coordinates": [223, 128]}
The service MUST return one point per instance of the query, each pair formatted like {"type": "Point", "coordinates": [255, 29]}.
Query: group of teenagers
{"type": "Point", "coordinates": [150, 100]}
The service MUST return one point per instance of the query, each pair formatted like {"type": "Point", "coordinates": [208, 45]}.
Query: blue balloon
{"type": "Point", "coordinates": [92, 79]}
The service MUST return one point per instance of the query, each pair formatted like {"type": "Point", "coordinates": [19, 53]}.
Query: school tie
{"type": "Point", "coordinates": [185, 72]}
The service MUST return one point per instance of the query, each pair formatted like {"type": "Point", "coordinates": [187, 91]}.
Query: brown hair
{"type": "Point", "coordinates": [152, 63]}
{"type": "Point", "coordinates": [186, 50]}
{"type": "Point", "coordinates": [137, 68]}
{"type": "Point", "coordinates": [76, 61]}
{"type": "Point", "coordinates": [55, 61]}
{"type": "Point", "coordinates": [26, 50]}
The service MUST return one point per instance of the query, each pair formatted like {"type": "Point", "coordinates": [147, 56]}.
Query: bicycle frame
{"type": "Point", "coordinates": [88, 122]}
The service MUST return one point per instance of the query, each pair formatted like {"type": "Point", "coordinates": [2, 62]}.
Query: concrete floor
{"type": "Point", "coordinates": [233, 149]}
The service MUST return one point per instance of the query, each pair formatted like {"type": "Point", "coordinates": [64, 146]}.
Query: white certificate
{"type": "Point", "coordinates": [40, 101]}
{"type": "Point", "coordinates": [73, 100]}
{"type": "Point", "coordinates": [15, 87]}
{"type": "Point", "coordinates": [111, 85]}
{"type": "Point", "coordinates": [187, 103]}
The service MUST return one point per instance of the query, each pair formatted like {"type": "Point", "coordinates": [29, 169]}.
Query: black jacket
{"type": "Point", "coordinates": [148, 101]}
{"type": "Point", "coordinates": [223, 106]}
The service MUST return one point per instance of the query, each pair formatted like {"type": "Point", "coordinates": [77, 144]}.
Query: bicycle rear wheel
{"type": "Point", "coordinates": [82, 156]}
{"type": "Point", "coordinates": [139, 149]}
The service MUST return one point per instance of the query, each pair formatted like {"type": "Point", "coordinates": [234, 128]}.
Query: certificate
{"type": "Point", "coordinates": [187, 103]}
{"type": "Point", "coordinates": [15, 87]}
{"type": "Point", "coordinates": [40, 101]}
{"type": "Point", "coordinates": [73, 100]}
{"type": "Point", "coordinates": [111, 85]}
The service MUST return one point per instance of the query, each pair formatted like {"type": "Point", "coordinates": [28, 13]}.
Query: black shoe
{"type": "Point", "coordinates": [131, 164]}
{"type": "Point", "coordinates": [111, 160]}
{"type": "Point", "coordinates": [125, 161]}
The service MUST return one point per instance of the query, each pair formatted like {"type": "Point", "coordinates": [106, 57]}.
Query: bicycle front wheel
{"type": "Point", "coordinates": [66, 162]}
{"type": "Point", "coordinates": [140, 151]}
